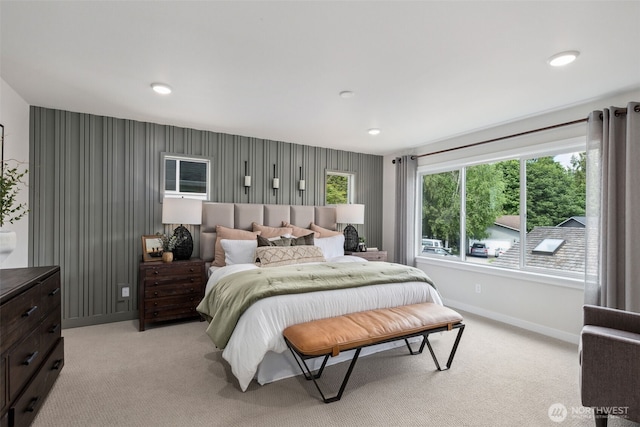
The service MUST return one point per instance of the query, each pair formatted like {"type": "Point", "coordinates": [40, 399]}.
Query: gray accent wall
{"type": "Point", "coordinates": [95, 190]}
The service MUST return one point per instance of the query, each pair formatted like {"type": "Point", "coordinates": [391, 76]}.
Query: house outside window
{"type": "Point", "coordinates": [339, 188]}
{"type": "Point", "coordinates": [185, 176]}
{"type": "Point", "coordinates": [496, 212]}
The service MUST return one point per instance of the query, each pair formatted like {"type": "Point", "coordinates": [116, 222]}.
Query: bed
{"type": "Point", "coordinates": [255, 347]}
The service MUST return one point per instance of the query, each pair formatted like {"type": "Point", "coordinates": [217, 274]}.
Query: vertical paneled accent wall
{"type": "Point", "coordinates": [95, 189]}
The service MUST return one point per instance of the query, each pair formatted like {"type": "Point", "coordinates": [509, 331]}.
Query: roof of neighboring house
{"type": "Point", "coordinates": [509, 221]}
{"type": "Point", "coordinates": [570, 257]}
{"type": "Point", "coordinates": [574, 221]}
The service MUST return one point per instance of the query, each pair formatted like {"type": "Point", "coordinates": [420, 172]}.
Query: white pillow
{"type": "Point", "coordinates": [331, 246]}
{"type": "Point", "coordinates": [239, 251]}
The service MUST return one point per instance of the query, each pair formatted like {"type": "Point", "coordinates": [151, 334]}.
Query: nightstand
{"type": "Point", "coordinates": [370, 255]}
{"type": "Point", "coordinates": [170, 291]}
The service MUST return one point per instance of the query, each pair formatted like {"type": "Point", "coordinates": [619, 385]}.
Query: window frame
{"type": "Point", "coordinates": [351, 177]}
{"type": "Point", "coordinates": [522, 154]}
{"type": "Point", "coordinates": [180, 158]}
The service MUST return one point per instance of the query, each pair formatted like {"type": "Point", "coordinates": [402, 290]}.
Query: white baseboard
{"type": "Point", "coordinates": [514, 321]}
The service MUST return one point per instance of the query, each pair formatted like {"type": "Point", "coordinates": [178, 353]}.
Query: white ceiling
{"type": "Point", "coordinates": [421, 71]}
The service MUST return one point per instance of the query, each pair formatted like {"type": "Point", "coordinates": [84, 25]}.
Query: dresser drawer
{"type": "Point", "coordinates": [19, 317]}
{"type": "Point", "coordinates": [169, 290]}
{"type": "Point", "coordinates": [50, 331]}
{"type": "Point", "coordinates": [24, 360]}
{"type": "Point", "coordinates": [173, 270]}
{"type": "Point", "coordinates": [24, 409]}
{"type": "Point", "coordinates": [50, 293]}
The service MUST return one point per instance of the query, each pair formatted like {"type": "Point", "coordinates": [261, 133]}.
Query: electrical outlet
{"type": "Point", "coordinates": [478, 288]}
{"type": "Point", "coordinates": [124, 291]}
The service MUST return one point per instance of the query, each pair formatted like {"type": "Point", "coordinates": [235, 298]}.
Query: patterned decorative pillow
{"type": "Point", "coordinates": [282, 241]}
{"type": "Point", "coordinates": [266, 231]}
{"type": "Point", "coordinates": [324, 232]}
{"type": "Point", "coordinates": [275, 256]}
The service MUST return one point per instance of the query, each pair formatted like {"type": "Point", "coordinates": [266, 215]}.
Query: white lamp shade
{"type": "Point", "coordinates": [181, 211]}
{"type": "Point", "coordinates": [350, 214]}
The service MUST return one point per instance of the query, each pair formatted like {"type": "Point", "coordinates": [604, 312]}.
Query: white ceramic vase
{"type": "Point", "coordinates": [8, 241]}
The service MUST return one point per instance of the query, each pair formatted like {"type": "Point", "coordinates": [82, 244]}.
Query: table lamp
{"type": "Point", "coordinates": [182, 211]}
{"type": "Point", "coordinates": [350, 214]}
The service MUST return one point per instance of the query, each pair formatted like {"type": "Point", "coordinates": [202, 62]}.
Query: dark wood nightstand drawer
{"type": "Point", "coordinates": [171, 269]}
{"type": "Point", "coordinates": [50, 294]}
{"type": "Point", "coordinates": [170, 290]}
{"type": "Point", "coordinates": [165, 312]}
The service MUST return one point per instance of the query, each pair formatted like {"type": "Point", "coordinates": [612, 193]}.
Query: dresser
{"type": "Point", "coordinates": [31, 345]}
{"type": "Point", "coordinates": [170, 291]}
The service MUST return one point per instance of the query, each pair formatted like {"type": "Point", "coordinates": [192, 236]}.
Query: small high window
{"type": "Point", "coordinates": [185, 176]}
{"type": "Point", "coordinates": [339, 188]}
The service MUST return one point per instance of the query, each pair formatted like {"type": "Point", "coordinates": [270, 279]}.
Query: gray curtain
{"type": "Point", "coordinates": [406, 197]}
{"type": "Point", "coordinates": [613, 208]}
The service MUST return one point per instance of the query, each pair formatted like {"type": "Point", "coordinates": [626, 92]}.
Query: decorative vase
{"type": "Point", "coordinates": [8, 241]}
{"type": "Point", "coordinates": [167, 256]}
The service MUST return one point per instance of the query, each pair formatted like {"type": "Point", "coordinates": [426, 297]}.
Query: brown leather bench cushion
{"type": "Point", "coordinates": [349, 331]}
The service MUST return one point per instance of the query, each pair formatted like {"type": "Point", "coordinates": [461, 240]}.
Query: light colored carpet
{"type": "Point", "coordinates": [173, 376]}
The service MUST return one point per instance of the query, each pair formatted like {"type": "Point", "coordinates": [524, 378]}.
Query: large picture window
{"type": "Point", "coordinates": [185, 176]}
{"type": "Point", "coordinates": [525, 212]}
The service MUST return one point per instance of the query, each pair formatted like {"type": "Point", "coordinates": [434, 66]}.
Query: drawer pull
{"type": "Point", "coordinates": [155, 293]}
{"type": "Point", "coordinates": [32, 405]}
{"type": "Point", "coordinates": [29, 360]}
{"type": "Point", "coordinates": [54, 292]}
{"type": "Point", "coordinates": [193, 280]}
{"type": "Point", "coordinates": [155, 314]}
{"type": "Point", "coordinates": [56, 365]}
{"type": "Point", "coordinates": [191, 299]}
{"type": "Point", "coordinates": [191, 270]}
{"type": "Point", "coordinates": [156, 272]}
{"type": "Point", "coordinates": [155, 303]}
{"type": "Point", "coordinates": [191, 290]}
{"type": "Point", "coordinates": [30, 311]}
{"type": "Point", "coordinates": [54, 329]}
{"type": "Point", "coordinates": [155, 283]}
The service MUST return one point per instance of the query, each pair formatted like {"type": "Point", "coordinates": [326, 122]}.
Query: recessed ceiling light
{"type": "Point", "coordinates": [161, 88]}
{"type": "Point", "coordinates": [374, 131]}
{"type": "Point", "coordinates": [563, 58]}
{"type": "Point", "coordinates": [346, 94]}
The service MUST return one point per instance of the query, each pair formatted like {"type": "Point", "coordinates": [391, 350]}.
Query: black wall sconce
{"type": "Point", "coordinates": [302, 185]}
{"type": "Point", "coordinates": [276, 181]}
{"type": "Point", "coordinates": [247, 179]}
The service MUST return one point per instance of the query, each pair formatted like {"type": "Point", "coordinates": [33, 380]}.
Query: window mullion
{"type": "Point", "coordinates": [463, 213]}
{"type": "Point", "coordinates": [523, 213]}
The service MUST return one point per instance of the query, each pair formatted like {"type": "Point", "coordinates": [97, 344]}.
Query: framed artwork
{"type": "Point", "coordinates": [151, 248]}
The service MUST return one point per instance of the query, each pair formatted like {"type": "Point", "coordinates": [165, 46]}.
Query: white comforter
{"type": "Point", "coordinates": [259, 329]}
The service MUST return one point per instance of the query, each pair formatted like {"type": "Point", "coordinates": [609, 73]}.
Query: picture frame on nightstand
{"type": "Point", "coordinates": [151, 248]}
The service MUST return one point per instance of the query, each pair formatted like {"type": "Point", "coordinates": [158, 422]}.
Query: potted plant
{"type": "Point", "coordinates": [168, 245]}
{"type": "Point", "coordinates": [10, 210]}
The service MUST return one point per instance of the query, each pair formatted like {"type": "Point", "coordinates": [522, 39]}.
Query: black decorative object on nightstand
{"type": "Point", "coordinates": [184, 243]}
{"type": "Point", "coordinates": [350, 238]}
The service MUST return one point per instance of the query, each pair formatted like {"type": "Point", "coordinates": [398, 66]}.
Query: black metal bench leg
{"type": "Point", "coordinates": [413, 353]}
{"type": "Point", "coordinates": [308, 375]}
{"type": "Point", "coordinates": [453, 350]}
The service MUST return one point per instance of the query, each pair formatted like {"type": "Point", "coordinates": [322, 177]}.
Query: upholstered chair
{"type": "Point", "coordinates": [610, 363]}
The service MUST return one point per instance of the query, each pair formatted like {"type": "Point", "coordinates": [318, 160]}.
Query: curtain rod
{"type": "Point", "coordinates": [500, 138]}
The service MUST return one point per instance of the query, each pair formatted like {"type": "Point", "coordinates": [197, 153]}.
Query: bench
{"type": "Point", "coordinates": [328, 337]}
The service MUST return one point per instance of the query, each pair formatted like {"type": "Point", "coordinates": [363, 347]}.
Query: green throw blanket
{"type": "Point", "coordinates": [233, 294]}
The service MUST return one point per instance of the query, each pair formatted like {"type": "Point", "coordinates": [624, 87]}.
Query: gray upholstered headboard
{"type": "Point", "coordinates": [242, 215]}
